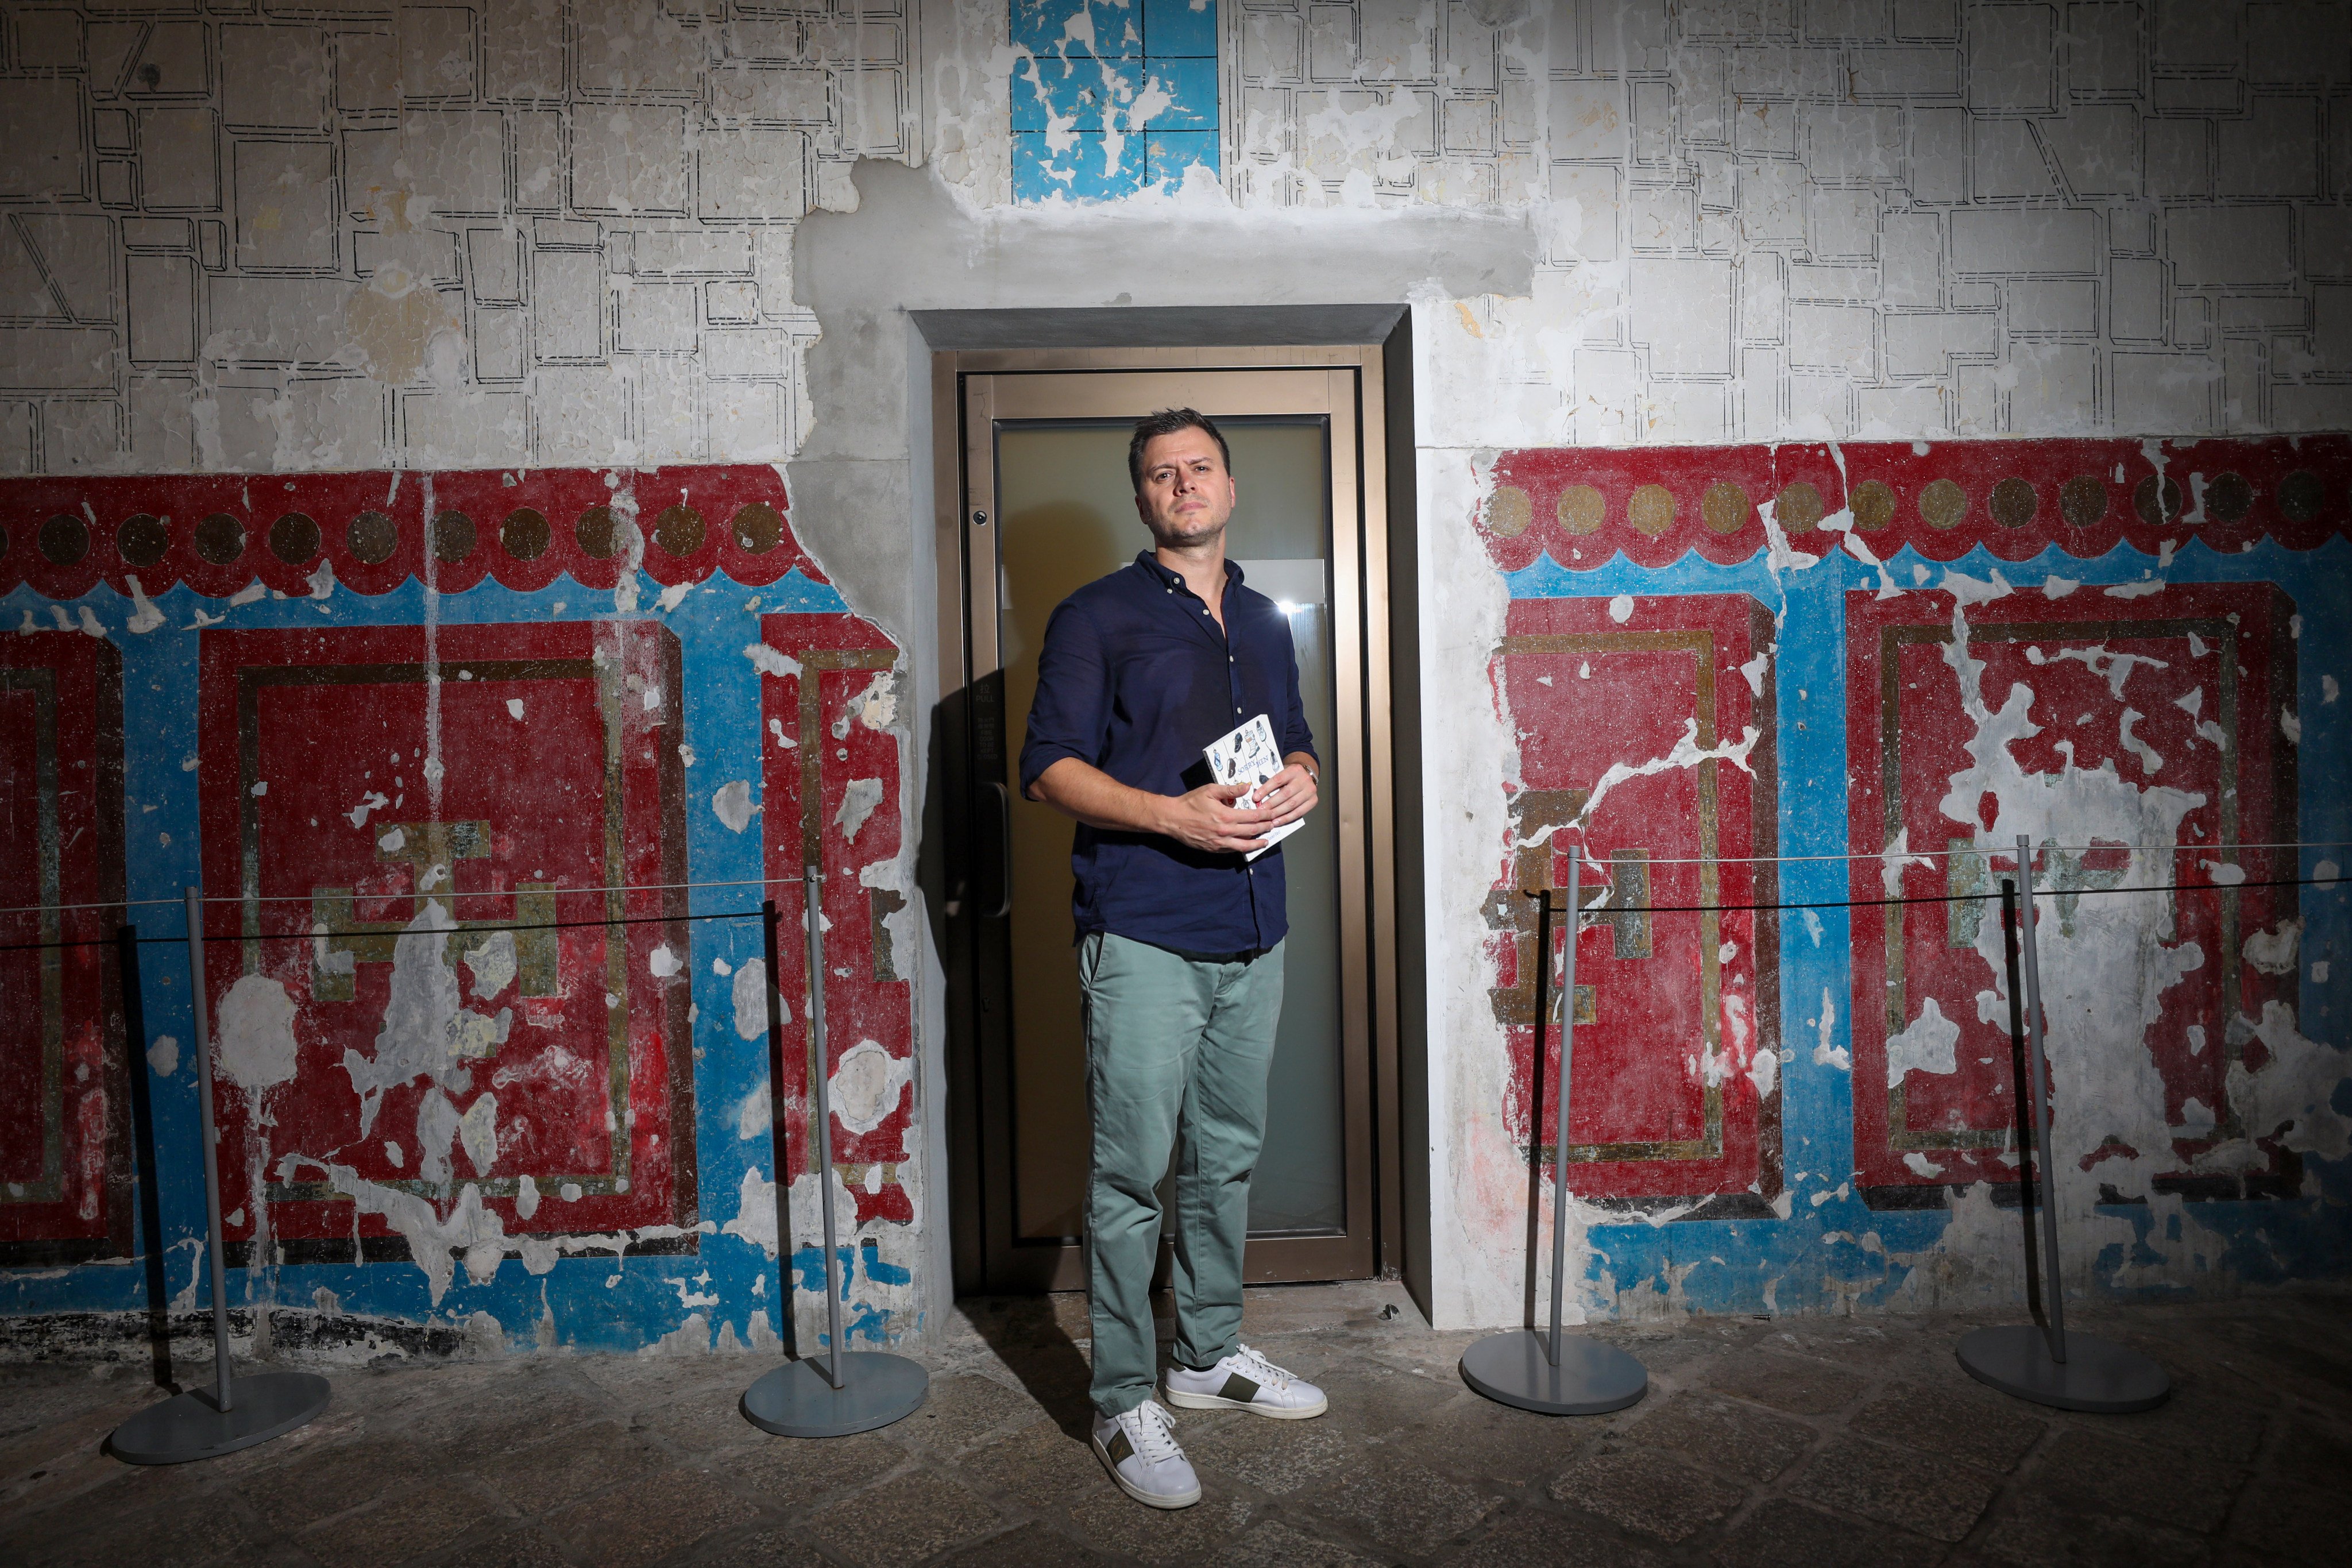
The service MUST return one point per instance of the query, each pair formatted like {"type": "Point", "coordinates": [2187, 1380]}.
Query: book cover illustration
{"type": "Point", "coordinates": [1249, 756]}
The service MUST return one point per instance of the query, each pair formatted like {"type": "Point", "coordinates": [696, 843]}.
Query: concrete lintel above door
{"type": "Point", "coordinates": [1175, 326]}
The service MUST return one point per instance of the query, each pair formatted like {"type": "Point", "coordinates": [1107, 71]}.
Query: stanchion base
{"type": "Point", "coordinates": [190, 1426]}
{"type": "Point", "coordinates": [1591, 1378]}
{"type": "Point", "coordinates": [795, 1400]}
{"type": "Point", "coordinates": [2098, 1374]}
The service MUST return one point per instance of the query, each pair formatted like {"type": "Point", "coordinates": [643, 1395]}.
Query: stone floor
{"type": "Point", "coordinates": [1819, 1442]}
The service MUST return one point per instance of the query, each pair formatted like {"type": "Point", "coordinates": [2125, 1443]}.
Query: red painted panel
{"type": "Point", "coordinates": [322, 804]}
{"type": "Point", "coordinates": [1675, 1089]}
{"type": "Point", "coordinates": [831, 798]}
{"type": "Point", "coordinates": [2205, 670]}
{"type": "Point", "coordinates": [65, 1161]}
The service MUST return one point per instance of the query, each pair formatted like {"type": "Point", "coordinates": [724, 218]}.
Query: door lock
{"type": "Point", "coordinates": [979, 519]}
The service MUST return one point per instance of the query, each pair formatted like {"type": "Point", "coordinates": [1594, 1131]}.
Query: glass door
{"type": "Point", "coordinates": [1049, 451]}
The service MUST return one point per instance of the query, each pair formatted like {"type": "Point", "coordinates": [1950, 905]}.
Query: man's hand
{"type": "Point", "coordinates": [1216, 818]}
{"type": "Point", "coordinates": [1220, 819]}
{"type": "Point", "coordinates": [1289, 795]}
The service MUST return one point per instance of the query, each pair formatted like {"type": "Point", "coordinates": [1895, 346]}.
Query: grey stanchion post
{"type": "Point", "coordinates": [857, 1391]}
{"type": "Point", "coordinates": [2047, 1364]}
{"type": "Point", "coordinates": [205, 1423]}
{"type": "Point", "coordinates": [1552, 1373]}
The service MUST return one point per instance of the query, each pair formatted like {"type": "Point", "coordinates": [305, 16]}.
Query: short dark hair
{"type": "Point", "coordinates": [1167, 422]}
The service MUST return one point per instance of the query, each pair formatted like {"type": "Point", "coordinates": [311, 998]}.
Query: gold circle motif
{"type": "Point", "coordinates": [294, 539]}
{"type": "Point", "coordinates": [1507, 512]}
{"type": "Point", "coordinates": [1799, 510]}
{"type": "Point", "coordinates": [1582, 508]}
{"type": "Point", "coordinates": [2014, 503]}
{"type": "Point", "coordinates": [1651, 510]}
{"type": "Point", "coordinates": [678, 529]}
{"type": "Point", "coordinates": [1943, 503]}
{"type": "Point", "coordinates": [1724, 508]}
{"type": "Point", "coordinates": [1872, 505]}
{"type": "Point", "coordinates": [526, 534]}
{"type": "Point", "coordinates": [220, 539]}
{"type": "Point", "coordinates": [2300, 495]}
{"type": "Point", "coordinates": [142, 538]}
{"type": "Point", "coordinates": [453, 537]}
{"type": "Point", "coordinates": [758, 529]}
{"type": "Point", "coordinates": [2156, 505]}
{"type": "Point", "coordinates": [2229, 497]}
{"type": "Point", "coordinates": [598, 532]}
{"type": "Point", "coordinates": [2083, 499]}
{"type": "Point", "coordinates": [371, 537]}
{"type": "Point", "coordinates": [64, 539]}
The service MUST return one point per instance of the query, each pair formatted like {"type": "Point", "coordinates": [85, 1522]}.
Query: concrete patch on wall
{"type": "Point", "coordinates": [1481, 1192]}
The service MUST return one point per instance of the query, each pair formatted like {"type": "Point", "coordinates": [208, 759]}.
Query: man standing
{"type": "Point", "coordinates": [1179, 950]}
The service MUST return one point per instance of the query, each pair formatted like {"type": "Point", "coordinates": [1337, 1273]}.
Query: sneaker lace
{"type": "Point", "coordinates": [1259, 1369]}
{"type": "Point", "coordinates": [1152, 1431]}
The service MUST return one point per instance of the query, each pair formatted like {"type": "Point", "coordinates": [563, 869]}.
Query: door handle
{"type": "Point", "coordinates": [996, 883]}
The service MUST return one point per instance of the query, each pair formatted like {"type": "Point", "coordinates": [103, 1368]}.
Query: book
{"type": "Point", "coordinates": [1249, 756]}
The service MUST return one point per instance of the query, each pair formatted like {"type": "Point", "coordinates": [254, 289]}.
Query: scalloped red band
{"type": "Point", "coordinates": [2014, 497]}
{"type": "Point", "coordinates": [217, 534]}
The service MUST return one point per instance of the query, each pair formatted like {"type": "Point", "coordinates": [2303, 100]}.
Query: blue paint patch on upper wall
{"type": "Point", "coordinates": [1111, 100]}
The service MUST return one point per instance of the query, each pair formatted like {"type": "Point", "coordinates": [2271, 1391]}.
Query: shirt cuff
{"type": "Point", "coordinates": [1036, 759]}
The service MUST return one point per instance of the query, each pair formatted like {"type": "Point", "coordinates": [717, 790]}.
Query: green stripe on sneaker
{"type": "Point", "coordinates": [1238, 1389]}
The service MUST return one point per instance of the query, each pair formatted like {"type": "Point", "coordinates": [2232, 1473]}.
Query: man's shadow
{"type": "Point", "coordinates": [1031, 1335]}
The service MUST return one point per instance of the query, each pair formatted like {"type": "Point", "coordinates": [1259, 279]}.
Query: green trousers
{"type": "Point", "coordinates": [1177, 1053]}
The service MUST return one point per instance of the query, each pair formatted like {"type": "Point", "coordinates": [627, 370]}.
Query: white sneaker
{"type": "Point", "coordinates": [1245, 1381]}
{"type": "Point", "coordinates": [1139, 1451]}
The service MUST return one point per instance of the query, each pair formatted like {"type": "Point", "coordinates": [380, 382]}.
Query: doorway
{"type": "Point", "coordinates": [1047, 508]}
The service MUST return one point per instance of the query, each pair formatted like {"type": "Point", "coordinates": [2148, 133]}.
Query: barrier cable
{"type": "Point", "coordinates": [469, 928]}
{"type": "Point", "coordinates": [1608, 909]}
{"type": "Point", "coordinates": [1906, 855]}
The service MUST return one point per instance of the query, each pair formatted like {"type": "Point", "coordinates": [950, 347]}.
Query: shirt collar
{"type": "Point", "coordinates": [1150, 561]}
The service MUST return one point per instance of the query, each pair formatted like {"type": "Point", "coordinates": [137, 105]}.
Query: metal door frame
{"type": "Point", "coordinates": [970, 392]}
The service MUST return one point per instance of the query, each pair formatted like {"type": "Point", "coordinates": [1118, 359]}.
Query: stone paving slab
{"type": "Point", "coordinates": [1822, 1442]}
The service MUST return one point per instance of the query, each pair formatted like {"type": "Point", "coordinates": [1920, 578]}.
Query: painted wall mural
{"type": "Point", "coordinates": [455, 756]}
{"type": "Point", "coordinates": [1887, 662]}
{"type": "Point", "coordinates": [382, 717]}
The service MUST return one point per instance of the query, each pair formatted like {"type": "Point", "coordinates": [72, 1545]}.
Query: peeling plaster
{"type": "Point", "coordinates": [733, 806]}
{"type": "Point", "coordinates": [254, 1046]}
{"type": "Point", "coordinates": [750, 995]}
{"type": "Point", "coordinates": [425, 1029]}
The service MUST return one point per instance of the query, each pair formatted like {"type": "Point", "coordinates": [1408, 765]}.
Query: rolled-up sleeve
{"type": "Point", "coordinates": [1071, 710]}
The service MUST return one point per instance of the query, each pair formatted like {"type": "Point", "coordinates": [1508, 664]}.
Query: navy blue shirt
{"type": "Point", "coordinates": [1136, 680]}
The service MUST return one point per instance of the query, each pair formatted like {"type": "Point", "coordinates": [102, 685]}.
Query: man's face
{"type": "Point", "coordinates": [1187, 494]}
